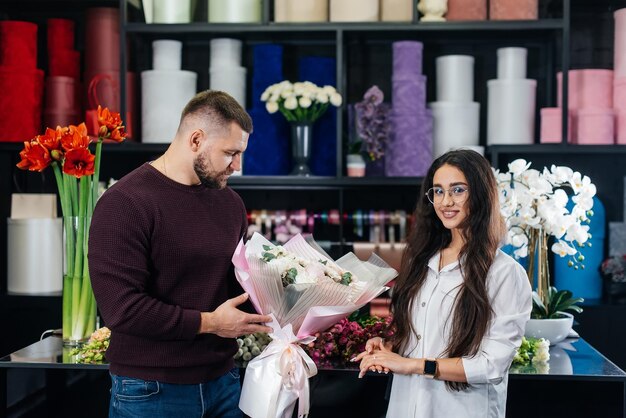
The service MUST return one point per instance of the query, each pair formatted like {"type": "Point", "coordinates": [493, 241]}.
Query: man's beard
{"type": "Point", "coordinates": [209, 179]}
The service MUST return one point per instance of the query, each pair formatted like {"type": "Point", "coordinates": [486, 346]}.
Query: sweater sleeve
{"type": "Point", "coordinates": [119, 266]}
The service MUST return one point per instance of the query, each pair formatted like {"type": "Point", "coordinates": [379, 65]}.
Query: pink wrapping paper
{"type": "Point", "coordinates": [589, 88]}
{"type": "Point", "coordinates": [595, 127]}
{"type": "Point", "coordinates": [619, 105]}
{"type": "Point", "coordinates": [551, 122]}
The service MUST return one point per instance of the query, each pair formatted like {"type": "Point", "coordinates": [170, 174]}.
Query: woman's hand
{"type": "Point", "coordinates": [379, 357]}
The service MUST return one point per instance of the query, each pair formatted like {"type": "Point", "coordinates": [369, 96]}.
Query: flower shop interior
{"type": "Point", "coordinates": [382, 87]}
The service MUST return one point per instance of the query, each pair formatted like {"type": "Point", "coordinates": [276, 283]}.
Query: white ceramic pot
{"type": "Point", "coordinates": [554, 330]}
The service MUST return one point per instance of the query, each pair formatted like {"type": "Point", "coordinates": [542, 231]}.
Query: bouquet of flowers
{"type": "Point", "coordinates": [532, 356]}
{"type": "Point", "coordinates": [301, 101]}
{"type": "Point", "coordinates": [305, 291]}
{"type": "Point", "coordinates": [94, 350]}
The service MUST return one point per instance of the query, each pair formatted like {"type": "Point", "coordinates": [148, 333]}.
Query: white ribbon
{"type": "Point", "coordinates": [278, 377]}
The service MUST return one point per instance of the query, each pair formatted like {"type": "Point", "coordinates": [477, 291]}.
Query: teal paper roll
{"type": "Point", "coordinates": [234, 11]}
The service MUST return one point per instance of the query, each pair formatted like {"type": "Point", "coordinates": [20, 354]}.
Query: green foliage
{"type": "Point", "coordinates": [558, 302]}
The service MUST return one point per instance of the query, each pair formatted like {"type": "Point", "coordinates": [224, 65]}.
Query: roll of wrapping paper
{"type": "Point", "coordinates": [408, 94]}
{"type": "Point", "coordinates": [466, 10]}
{"type": "Point", "coordinates": [455, 78]}
{"type": "Point", "coordinates": [18, 45]}
{"type": "Point", "coordinates": [60, 94]}
{"type": "Point", "coordinates": [396, 10]}
{"type": "Point", "coordinates": [230, 79]}
{"type": "Point", "coordinates": [167, 54]}
{"type": "Point", "coordinates": [64, 63]}
{"type": "Point", "coordinates": [410, 152]}
{"type": "Point", "coordinates": [619, 43]}
{"type": "Point", "coordinates": [171, 11]}
{"type": "Point", "coordinates": [268, 70]}
{"type": "Point", "coordinates": [234, 11]}
{"type": "Point", "coordinates": [60, 35]}
{"type": "Point", "coordinates": [301, 11]}
{"type": "Point", "coordinates": [102, 49]}
{"type": "Point", "coordinates": [20, 104]}
{"type": "Point", "coordinates": [226, 52]}
{"type": "Point", "coordinates": [455, 125]}
{"type": "Point", "coordinates": [164, 94]}
{"type": "Point", "coordinates": [513, 9]}
{"type": "Point", "coordinates": [588, 88]}
{"type": "Point", "coordinates": [407, 58]}
{"type": "Point", "coordinates": [354, 10]}
{"type": "Point", "coordinates": [511, 111]}
{"type": "Point", "coordinates": [619, 104]}
{"type": "Point", "coordinates": [268, 150]}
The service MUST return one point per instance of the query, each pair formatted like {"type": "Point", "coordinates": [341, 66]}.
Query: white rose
{"type": "Point", "coordinates": [272, 107]}
{"type": "Point", "coordinates": [291, 103]}
{"type": "Point", "coordinates": [335, 99]}
{"type": "Point", "coordinates": [304, 102]}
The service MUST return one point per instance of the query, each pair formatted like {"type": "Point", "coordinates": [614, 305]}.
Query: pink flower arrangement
{"type": "Point", "coordinates": [346, 338]}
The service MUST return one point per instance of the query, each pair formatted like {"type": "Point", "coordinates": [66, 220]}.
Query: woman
{"type": "Point", "coordinates": [460, 304]}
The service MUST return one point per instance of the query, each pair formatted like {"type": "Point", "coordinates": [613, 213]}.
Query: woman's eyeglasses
{"type": "Point", "coordinates": [458, 194]}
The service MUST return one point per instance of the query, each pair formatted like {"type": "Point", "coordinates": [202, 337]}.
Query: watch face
{"type": "Point", "coordinates": [430, 367]}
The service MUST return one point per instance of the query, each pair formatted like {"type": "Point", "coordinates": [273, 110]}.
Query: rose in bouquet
{"type": "Point", "coordinates": [306, 292]}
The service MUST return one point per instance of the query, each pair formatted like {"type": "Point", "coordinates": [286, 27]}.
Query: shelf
{"type": "Point", "coordinates": [556, 149]}
{"type": "Point", "coordinates": [201, 27]}
{"type": "Point", "coordinates": [314, 182]}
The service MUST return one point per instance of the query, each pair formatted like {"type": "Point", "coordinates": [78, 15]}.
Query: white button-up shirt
{"type": "Point", "coordinates": [487, 373]}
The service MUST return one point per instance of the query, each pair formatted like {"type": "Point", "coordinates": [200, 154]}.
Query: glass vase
{"type": "Point", "coordinates": [538, 270]}
{"type": "Point", "coordinates": [79, 304]}
{"type": "Point", "coordinates": [301, 141]}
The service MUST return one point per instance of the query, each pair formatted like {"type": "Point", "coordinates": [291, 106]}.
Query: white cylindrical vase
{"type": "Point", "coordinates": [225, 52]}
{"type": "Point", "coordinates": [235, 11]}
{"type": "Point", "coordinates": [42, 275]}
{"type": "Point", "coordinates": [231, 80]}
{"type": "Point", "coordinates": [511, 111]}
{"type": "Point", "coordinates": [455, 78]}
{"type": "Point", "coordinates": [166, 54]}
{"type": "Point", "coordinates": [171, 11]}
{"type": "Point", "coordinates": [512, 63]}
{"type": "Point", "coordinates": [354, 10]}
{"type": "Point", "coordinates": [455, 125]}
{"type": "Point", "coordinates": [164, 94]}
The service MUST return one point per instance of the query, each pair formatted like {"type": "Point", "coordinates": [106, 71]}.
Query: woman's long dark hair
{"type": "Point", "coordinates": [482, 230]}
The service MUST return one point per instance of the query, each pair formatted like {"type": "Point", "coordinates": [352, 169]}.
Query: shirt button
{"type": "Point", "coordinates": [419, 337]}
{"type": "Point", "coordinates": [423, 304]}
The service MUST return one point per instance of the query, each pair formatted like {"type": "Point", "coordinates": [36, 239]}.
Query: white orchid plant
{"type": "Point", "coordinates": [301, 101]}
{"type": "Point", "coordinates": [534, 200]}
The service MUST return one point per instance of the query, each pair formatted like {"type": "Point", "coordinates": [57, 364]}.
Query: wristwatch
{"type": "Point", "coordinates": [430, 368]}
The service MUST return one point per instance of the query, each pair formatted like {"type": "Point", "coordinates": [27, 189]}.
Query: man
{"type": "Point", "coordinates": [160, 248]}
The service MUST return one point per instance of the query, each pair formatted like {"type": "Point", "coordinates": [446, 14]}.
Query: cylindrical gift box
{"type": "Point", "coordinates": [588, 88]}
{"type": "Point", "coordinates": [511, 111]}
{"type": "Point", "coordinates": [407, 58]}
{"type": "Point", "coordinates": [164, 94]}
{"type": "Point", "coordinates": [301, 10]}
{"type": "Point", "coordinates": [595, 127]}
{"type": "Point", "coordinates": [18, 44]}
{"type": "Point", "coordinates": [102, 50]}
{"type": "Point", "coordinates": [20, 104]}
{"type": "Point", "coordinates": [231, 80]}
{"type": "Point", "coordinates": [620, 127]}
{"type": "Point", "coordinates": [619, 43]}
{"type": "Point", "coordinates": [512, 63]}
{"type": "Point", "coordinates": [409, 94]}
{"type": "Point", "coordinates": [54, 118]}
{"type": "Point", "coordinates": [454, 125]}
{"type": "Point", "coordinates": [396, 10]}
{"type": "Point", "coordinates": [60, 94]}
{"type": "Point", "coordinates": [619, 104]}
{"type": "Point", "coordinates": [551, 123]}
{"type": "Point", "coordinates": [225, 52]}
{"type": "Point", "coordinates": [234, 11]}
{"type": "Point", "coordinates": [171, 11]}
{"type": "Point", "coordinates": [166, 54]}
{"type": "Point", "coordinates": [466, 10]}
{"type": "Point", "coordinates": [513, 9]}
{"type": "Point", "coordinates": [354, 10]}
{"type": "Point", "coordinates": [455, 78]}
{"type": "Point", "coordinates": [64, 62]}
{"type": "Point", "coordinates": [35, 256]}
{"type": "Point", "coordinates": [409, 152]}
{"type": "Point", "coordinates": [60, 34]}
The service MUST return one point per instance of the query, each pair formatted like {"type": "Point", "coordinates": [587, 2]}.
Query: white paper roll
{"type": "Point", "coordinates": [305, 11]}
{"type": "Point", "coordinates": [512, 63]}
{"type": "Point", "coordinates": [148, 10]}
{"type": "Point", "coordinates": [455, 125]}
{"type": "Point", "coordinates": [166, 54]}
{"type": "Point", "coordinates": [171, 11]}
{"type": "Point", "coordinates": [225, 52]}
{"type": "Point", "coordinates": [232, 80]}
{"type": "Point", "coordinates": [280, 11]}
{"type": "Point", "coordinates": [455, 78]}
{"type": "Point", "coordinates": [164, 94]}
{"type": "Point", "coordinates": [354, 10]}
{"type": "Point", "coordinates": [396, 10]}
{"type": "Point", "coordinates": [43, 237]}
{"type": "Point", "coordinates": [511, 111]}
{"type": "Point", "coordinates": [235, 11]}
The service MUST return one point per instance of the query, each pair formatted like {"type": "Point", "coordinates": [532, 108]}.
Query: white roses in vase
{"type": "Point", "coordinates": [301, 101]}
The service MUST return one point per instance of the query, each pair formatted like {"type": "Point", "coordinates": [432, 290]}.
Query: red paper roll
{"type": "Point", "coordinates": [60, 35]}
{"type": "Point", "coordinates": [52, 119]}
{"type": "Point", "coordinates": [466, 10]}
{"type": "Point", "coordinates": [20, 104]}
{"type": "Point", "coordinates": [102, 50]}
{"type": "Point", "coordinates": [18, 45]}
{"type": "Point", "coordinates": [513, 9]}
{"type": "Point", "coordinates": [64, 63]}
{"type": "Point", "coordinates": [61, 95]}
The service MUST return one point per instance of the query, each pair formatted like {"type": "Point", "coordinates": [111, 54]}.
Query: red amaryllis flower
{"type": "Point", "coordinates": [79, 162]}
{"type": "Point", "coordinates": [75, 137]}
{"type": "Point", "coordinates": [110, 125]}
{"type": "Point", "coordinates": [35, 157]}
{"type": "Point", "coordinates": [51, 139]}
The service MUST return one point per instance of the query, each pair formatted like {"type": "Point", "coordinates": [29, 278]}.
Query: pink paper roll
{"type": "Point", "coordinates": [102, 49]}
{"type": "Point", "coordinates": [619, 43]}
{"type": "Point", "coordinates": [619, 105]}
{"type": "Point", "coordinates": [589, 88]}
{"type": "Point", "coordinates": [18, 45]}
{"type": "Point", "coordinates": [513, 9]}
{"type": "Point", "coordinates": [551, 122]}
{"type": "Point", "coordinates": [595, 127]}
{"type": "Point", "coordinates": [52, 119]}
{"type": "Point", "coordinates": [65, 63]}
{"type": "Point", "coordinates": [466, 10]}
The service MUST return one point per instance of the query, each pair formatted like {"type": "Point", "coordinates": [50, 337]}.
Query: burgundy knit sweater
{"type": "Point", "coordinates": [159, 254]}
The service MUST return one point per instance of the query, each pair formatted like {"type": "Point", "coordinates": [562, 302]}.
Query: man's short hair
{"type": "Point", "coordinates": [219, 109]}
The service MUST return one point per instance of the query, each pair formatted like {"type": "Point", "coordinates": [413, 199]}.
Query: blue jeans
{"type": "Point", "coordinates": [136, 398]}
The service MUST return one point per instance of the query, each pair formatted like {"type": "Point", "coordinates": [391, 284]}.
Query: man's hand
{"type": "Point", "coordinates": [229, 322]}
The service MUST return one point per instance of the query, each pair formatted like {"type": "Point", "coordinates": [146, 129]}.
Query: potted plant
{"type": "Point", "coordinates": [372, 131]}
{"type": "Point", "coordinates": [550, 318]}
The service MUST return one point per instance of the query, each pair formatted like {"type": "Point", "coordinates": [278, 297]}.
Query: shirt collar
{"type": "Point", "coordinates": [433, 264]}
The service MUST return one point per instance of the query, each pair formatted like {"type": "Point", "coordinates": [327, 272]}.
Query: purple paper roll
{"type": "Point", "coordinates": [410, 151]}
{"type": "Point", "coordinates": [409, 95]}
{"type": "Point", "coordinates": [407, 57]}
